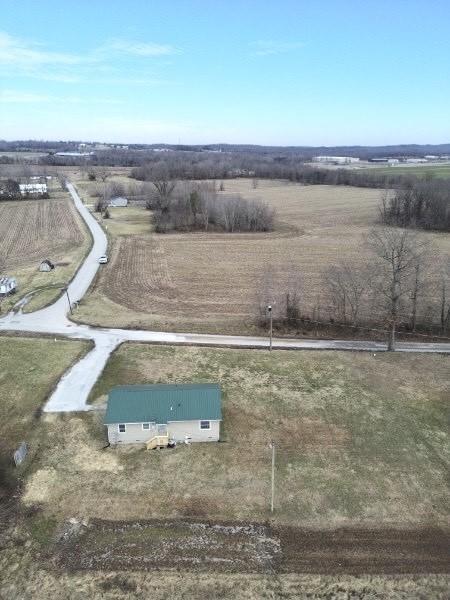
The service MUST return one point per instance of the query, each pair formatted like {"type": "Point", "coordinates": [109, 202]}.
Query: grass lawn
{"type": "Point", "coordinates": [361, 440]}
{"type": "Point", "coordinates": [29, 369]}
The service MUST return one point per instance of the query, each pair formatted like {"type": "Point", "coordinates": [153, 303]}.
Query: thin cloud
{"type": "Point", "coordinates": [20, 57]}
{"type": "Point", "coordinates": [143, 49]}
{"type": "Point", "coordinates": [18, 96]}
{"type": "Point", "coordinates": [270, 47]}
{"type": "Point", "coordinates": [19, 53]}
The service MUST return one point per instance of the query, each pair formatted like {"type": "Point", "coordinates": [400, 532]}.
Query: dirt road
{"type": "Point", "coordinates": [250, 548]}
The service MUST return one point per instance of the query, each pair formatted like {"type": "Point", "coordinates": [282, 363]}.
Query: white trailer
{"type": "Point", "coordinates": [8, 285]}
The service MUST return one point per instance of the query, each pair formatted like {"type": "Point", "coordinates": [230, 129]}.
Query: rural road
{"type": "Point", "coordinates": [73, 389]}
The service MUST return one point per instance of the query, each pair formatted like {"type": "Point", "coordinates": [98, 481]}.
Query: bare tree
{"type": "Point", "coordinates": [62, 181]}
{"type": "Point", "coordinates": [337, 289]}
{"type": "Point", "coordinates": [115, 188]}
{"type": "Point", "coordinates": [444, 289]}
{"type": "Point", "coordinates": [164, 190]}
{"type": "Point", "coordinates": [102, 173]}
{"type": "Point", "coordinates": [421, 278]}
{"type": "Point", "coordinates": [348, 284]}
{"type": "Point", "coordinates": [397, 252]}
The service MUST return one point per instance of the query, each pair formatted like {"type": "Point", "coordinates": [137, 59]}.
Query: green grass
{"type": "Point", "coordinates": [42, 528]}
{"type": "Point", "coordinates": [29, 369]}
{"type": "Point", "coordinates": [419, 171]}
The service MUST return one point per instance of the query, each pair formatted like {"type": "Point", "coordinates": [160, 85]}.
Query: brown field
{"type": "Point", "coordinates": [32, 230]}
{"type": "Point", "coordinates": [215, 282]}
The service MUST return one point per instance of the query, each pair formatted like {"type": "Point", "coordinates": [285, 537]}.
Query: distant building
{"type": "Point", "coordinates": [118, 202]}
{"type": "Point", "coordinates": [384, 159]}
{"type": "Point", "coordinates": [336, 160]}
{"type": "Point", "coordinates": [416, 160]}
{"type": "Point", "coordinates": [33, 189]}
{"type": "Point", "coordinates": [157, 415]}
{"type": "Point", "coordinates": [75, 154]}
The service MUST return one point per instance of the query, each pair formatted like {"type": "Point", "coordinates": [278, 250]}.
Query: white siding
{"type": "Point", "coordinates": [134, 434]}
{"type": "Point", "coordinates": [178, 431]}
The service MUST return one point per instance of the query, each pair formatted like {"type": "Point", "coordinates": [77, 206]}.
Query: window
{"type": "Point", "coordinates": [122, 427]}
{"type": "Point", "coordinates": [205, 425]}
{"type": "Point", "coordinates": [145, 425]}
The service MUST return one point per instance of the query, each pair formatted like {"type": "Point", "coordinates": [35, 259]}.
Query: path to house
{"type": "Point", "coordinates": [74, 387]}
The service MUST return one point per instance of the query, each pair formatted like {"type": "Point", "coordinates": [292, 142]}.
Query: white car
{"type": "Point", "coordinates": [103, 259]}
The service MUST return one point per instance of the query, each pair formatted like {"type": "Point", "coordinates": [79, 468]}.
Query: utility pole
{"type": "Point", "coordinates": [68, 299]}
{"type": "Point", "coordinates": [269, 310]}
{"type": "Point", "coordinates": [272, 445]}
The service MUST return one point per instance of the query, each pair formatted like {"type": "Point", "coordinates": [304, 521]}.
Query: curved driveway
{"type": "Point", "coordinates": [74, 387]}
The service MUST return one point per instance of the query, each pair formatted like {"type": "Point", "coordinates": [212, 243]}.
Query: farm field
{"type": "Point", "coordinates": [359, 446]}
{"type": "Point", "coordinates": [433, 170]}
{"type": "Point", "coordinates": [32, 230]}
{"type": "Point", "coordinates": [23, 156]}
{"type": "Point", "coordinates": [215, 282]}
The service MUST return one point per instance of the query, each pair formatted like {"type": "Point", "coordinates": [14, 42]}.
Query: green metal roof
{"type": "Point", "coordinates": [163, 403]}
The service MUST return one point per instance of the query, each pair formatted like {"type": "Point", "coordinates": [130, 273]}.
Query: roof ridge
{"type": "Point", "coordinates": [140, 386]}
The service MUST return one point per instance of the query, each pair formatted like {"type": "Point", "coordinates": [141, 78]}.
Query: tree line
{"type": "Point", "coordinates": [186, 205]}
{"type": "Point", "coordinates": [424, 204]}
{"type": "Point", "coordinates": [193, 206]}
{"type": "Point", "coordinates": [400, 287]}
{"type": "Point", "coordinates": [418, 202]}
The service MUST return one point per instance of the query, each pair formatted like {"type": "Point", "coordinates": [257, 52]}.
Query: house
{"type": "Point", "coordinates": [119, 201]}
{"type": "Point", "coordinates": [33, 189]}
{"type": "Point", "coordinates": [8, 285]}
{"type": "Point", "coordinates": [138, 414]}
{"type": "Point", "coordinates": [46, 266]}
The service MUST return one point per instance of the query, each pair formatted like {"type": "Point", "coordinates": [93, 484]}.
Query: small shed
{"type": "Point", "coordinates": [46, 266]}
{"type": "Point", "coordinates": [117, 202]}
{"type": "Point", "coordinates": [138, 414]}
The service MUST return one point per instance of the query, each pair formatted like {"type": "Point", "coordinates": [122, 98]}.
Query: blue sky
{"type": "Point", "coordinates": [286, 72]}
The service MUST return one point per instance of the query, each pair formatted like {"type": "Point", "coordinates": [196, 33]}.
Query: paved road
{"type": "Point", "coordinates": [74, 387]}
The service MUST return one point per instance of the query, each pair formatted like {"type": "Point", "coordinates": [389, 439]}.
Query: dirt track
{"type": "Point", "coordinates": [357, 551]}
{"type": "Point", "coordinates": [250, 548]}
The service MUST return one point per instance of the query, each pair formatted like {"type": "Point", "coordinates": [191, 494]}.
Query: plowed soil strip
{"type": "Point", "coordinates": [250, 548]}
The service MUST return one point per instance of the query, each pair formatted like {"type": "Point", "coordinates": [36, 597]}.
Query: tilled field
{"type": "Point", "coordinates": [31, 230]}
{"type": "Point", "coordinates": [142, 260]}
{"type": "Point", "coordinates": [215, 282]}
{"type": "Point", "coordinates": [249, 548]}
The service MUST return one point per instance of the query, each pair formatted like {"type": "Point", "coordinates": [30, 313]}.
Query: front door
{"type": "Point", "coordinates": [162, 429]}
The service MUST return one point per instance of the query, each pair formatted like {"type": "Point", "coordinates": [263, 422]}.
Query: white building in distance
{"type": "Point", "coordinates": [335, 160]}
{"type": "Point", "coordinates": [37, 189]}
